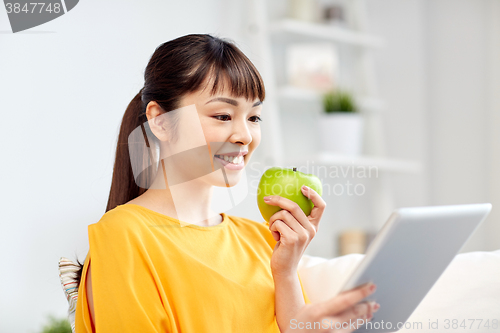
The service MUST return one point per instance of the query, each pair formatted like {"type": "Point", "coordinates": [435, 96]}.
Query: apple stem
{"type": "Point", "coordinates": [294, 169]}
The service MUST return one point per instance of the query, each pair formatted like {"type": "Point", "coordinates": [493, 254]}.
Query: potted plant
{"type": "Point", "coordinates": [57, 325]}
{"type": "Point", "coordinates": [341, 125]}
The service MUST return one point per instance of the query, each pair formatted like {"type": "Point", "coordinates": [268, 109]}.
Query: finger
{"type": "Point", "coordinates": [317, 200]}
{"type": "Point", "coordinates": [276, 235]}
{"type": "Point", "coordinates": [289, 205]}
{"type": "Point", "coordinates": [304, 234]}
{"type": "Point", "coordinates": [286, 217]}
{"type": "Point", "coordinates": [287, 235]}
{"type": "Point", "coordinates": [356, 315]}
{"type": "Point", "coordinates": [347, 299]}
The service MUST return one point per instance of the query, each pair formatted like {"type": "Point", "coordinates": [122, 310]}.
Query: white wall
{"type": "Point", "coordinates": [438, 76]}
{"type": "Point", "coordinates": [493, 49]}
{"type": "Point", "coordinates": [402, 78]}
{"type": "Point", "coordinates": [459, 67]}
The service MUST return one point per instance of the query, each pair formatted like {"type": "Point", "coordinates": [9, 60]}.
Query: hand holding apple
{"type": "Point", "coordinates": [291, 202]}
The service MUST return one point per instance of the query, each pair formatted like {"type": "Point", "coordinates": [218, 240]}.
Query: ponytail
{"type": "Point", "coordinates": [123, 185]}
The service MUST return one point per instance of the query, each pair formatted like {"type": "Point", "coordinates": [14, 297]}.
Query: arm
{"type": "Point", "coordinates": [288, 299]}
{"type": "Point", "coordinates": [293, 231]}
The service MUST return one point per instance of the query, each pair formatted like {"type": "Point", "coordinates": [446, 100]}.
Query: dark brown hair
{"type": "Point", "coordinates": [178, 67]}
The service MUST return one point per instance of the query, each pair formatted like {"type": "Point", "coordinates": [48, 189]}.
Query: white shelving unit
{"type": "Point", "coordinates": [263, 32]}
{"type": "Point", "coordinates": [293, 29]}
{"type": "Point", "coordinates": [367, 104]}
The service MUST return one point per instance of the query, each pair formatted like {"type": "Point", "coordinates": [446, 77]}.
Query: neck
{"type": "Point", "coordinates": [188, 201]}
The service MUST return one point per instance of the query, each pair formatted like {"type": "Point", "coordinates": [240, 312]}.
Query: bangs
{"type": "Point", "coordinates": [227, 65]}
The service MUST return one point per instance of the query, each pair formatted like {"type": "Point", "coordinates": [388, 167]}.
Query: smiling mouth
{"type": "Point", "coordinates": [231, 159]}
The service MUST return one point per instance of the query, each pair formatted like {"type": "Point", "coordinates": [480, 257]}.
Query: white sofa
{"type": "Point", "coordinates": [469, 289]}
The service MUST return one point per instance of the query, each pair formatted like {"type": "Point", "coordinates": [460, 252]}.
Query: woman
{"type": "Point", "coordinates": [160, 259]}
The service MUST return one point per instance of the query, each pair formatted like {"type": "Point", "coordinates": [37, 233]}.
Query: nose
{"type": "Point", "coordinates": [241, 133]}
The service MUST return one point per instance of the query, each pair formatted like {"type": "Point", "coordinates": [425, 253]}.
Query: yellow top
{"type": "Point", "coordinates": [154, 273]}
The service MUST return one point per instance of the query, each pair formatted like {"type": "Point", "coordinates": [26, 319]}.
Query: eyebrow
{"type": "Point", "coordinates": [230, 101]}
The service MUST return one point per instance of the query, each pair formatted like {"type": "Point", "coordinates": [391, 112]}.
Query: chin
{"type": "Point", "coordinates": [232, 178]}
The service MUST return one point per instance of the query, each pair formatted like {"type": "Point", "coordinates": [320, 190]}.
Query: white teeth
{"type": "Point", "coordinates": [238, 160]}
{"type": "Point", "coordinates": [231, 159]}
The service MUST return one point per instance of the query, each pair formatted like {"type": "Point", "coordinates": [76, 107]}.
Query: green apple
{"type": "Point", "coordinates": [286, 183]}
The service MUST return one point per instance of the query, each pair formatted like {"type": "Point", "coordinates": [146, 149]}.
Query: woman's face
{"type": "Point", "coordinates": [223, 137]}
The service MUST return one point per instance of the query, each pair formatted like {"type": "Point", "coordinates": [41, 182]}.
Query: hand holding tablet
{"type": "Point", "coordinates": [343, 312]}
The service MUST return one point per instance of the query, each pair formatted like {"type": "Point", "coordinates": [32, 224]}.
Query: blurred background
{"type": "Point", "coordinates": [391, 103]}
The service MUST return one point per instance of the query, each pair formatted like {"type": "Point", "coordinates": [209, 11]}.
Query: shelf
{"type": "Point", "coordinates": [295, 28]}
{"type": "Point", "coordinates": [381, 163]}
{"type": "Point", "coordinates": [308, 95]}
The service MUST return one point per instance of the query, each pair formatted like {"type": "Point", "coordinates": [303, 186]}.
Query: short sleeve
{"type": "Point", "coordinates": [83, 321]}
{"type": "Point", "coordinates": [125, 292]}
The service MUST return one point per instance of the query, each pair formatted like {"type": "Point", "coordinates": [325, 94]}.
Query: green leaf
{"type": "Point", "coordinates": [57, 325]}
{"type": "Point", "coordinates": [339, 101]}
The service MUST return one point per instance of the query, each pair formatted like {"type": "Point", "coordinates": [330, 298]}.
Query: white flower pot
{"type": "Point", "coordinates": [341, 133]}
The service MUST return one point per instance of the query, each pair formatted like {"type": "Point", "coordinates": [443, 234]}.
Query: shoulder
{"type": "Point", "coordinates": [118, 234]}
{"type": "Point", "coordinates": [119, 220]}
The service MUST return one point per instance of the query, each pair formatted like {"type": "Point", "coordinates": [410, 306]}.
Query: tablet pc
{"type": "Point", "coordinates": [408, 255]}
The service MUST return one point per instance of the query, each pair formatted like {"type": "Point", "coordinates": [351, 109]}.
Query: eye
{"type": "Point", "coordinates": [224, 116]}
{"type": "Point", "coordinates": [257, 119]}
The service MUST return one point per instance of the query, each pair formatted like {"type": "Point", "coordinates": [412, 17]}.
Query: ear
{"type": "Point", "coordinates": [156, 121]}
